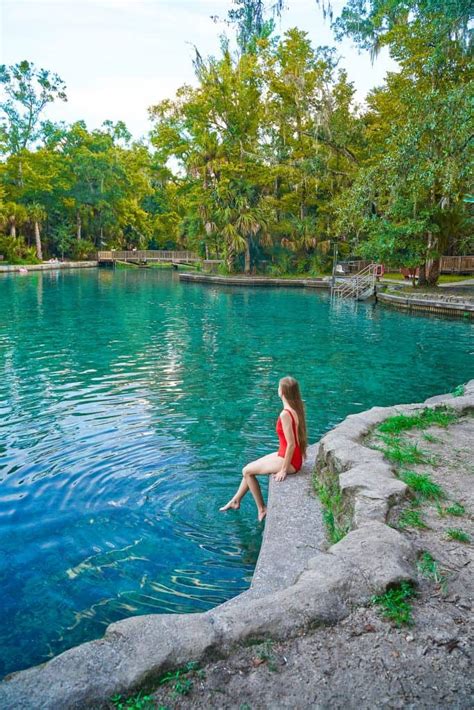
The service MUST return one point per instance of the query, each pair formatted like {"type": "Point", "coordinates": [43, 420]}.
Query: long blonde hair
{"type": "Point", "coordinates": [290, 389]}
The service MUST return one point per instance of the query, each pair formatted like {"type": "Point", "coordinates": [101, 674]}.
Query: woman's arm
{"type": "Point", "coordinates": [290, 445]}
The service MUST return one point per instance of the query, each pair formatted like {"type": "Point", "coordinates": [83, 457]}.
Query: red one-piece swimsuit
{"type": "Point", "coordinates": [297, 458]}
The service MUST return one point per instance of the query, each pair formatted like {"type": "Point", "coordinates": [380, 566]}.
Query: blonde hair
{"type": "Point", "coordinates": [290, 389]}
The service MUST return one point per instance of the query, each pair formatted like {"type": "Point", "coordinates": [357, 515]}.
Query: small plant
{"type": "Point", "coordinates": [330, 496]}
{"type": "Point", "coordinates": [183, 687]}
{"type": "Point", "coordinates": [265, 653]}
{"type": "Point", "coordinates": [137, 702]}
{"type": "Point", "coordinates": [411, 519]}
{"type": "Point", "coordinates": [458, 535]}
{"type": "Point", "coordinates": [429, 568]}
{"type": "Point", "coordinates": [455, 509]}
{"type": "Point", "coordinates": [395, 604]}
{"type": "Point", "coordinates": [459, 391]}
{"type": "Point", "coordinates": [422, 484]}
{"type": "Point", "coordinates": [432, 439]}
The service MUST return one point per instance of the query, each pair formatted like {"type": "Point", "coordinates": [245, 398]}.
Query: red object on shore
{"type": "Point", "coordinates": [410, 272]}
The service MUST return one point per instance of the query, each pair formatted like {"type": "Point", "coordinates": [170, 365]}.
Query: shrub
{"type": "Point", "coordinates": [15, 251]}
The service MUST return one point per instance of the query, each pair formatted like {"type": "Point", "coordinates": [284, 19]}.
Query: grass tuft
{"type": "Point", "coordinates": [411, 518]}
{"type": "Point", "coordinates": [137, 702]}
{"type": "Point", "coordinates": [330, 496]}
{"type": "Point", "coordinates": [457, 509]}
{"type": "Point", "coordinates": [265, 653]}
{"type": "Point", "coordinates": [402, 452]}
{"type": "Point", "coordinates": [182, 684]}
{"type": "Point", "coordinates": [429, 568]}
{"type": "Point", "coordinates": [432, 439]}
{"type": "Point", "coordinates": [395, 604]}
{"type": "Point", "coordinates": [422, 484]}
{"type": "Point", "coordinates": [459, 391]}
{"type": "Point", "coordinates": [441, 416]}
{"type": "Point", "coordinates": [458, 535]}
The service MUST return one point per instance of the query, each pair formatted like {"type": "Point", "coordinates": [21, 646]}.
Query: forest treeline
{"type": "Point", "coordinates": [268, 160]}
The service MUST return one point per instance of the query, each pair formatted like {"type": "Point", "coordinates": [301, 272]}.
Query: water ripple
{"type": "Point", "coordinates": [129, 404]}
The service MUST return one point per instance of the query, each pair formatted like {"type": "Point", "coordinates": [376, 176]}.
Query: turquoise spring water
{"type": "Point", "coordinates": [128, 405]}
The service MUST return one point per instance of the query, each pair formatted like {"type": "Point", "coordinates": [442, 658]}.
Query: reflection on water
{"type": "Point", "coordinates": [128, 405]}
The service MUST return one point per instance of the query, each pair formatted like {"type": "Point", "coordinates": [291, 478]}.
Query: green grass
{"type": "Point", "coordinates": [456, 509]}
{"type": "Point", "coordinates": [411, 518]}
{"type": "Point", "coordinates": [458, 535]}
{"type": "Point", "coordinates": [395, 604]}
{"type": "Point", "coordinates": [429, 568]}
{"type": "Point", "coordinates": [137, 702]}
{"type": "Point", "coordinates": [422, 484]}
{"type": "Point", "coordinates": [330, 496]}
{"type": "Point", "coordinates": [182, 683]}
{"type": "Point", "coordinates": [265, 653]}
{"type": "Point", "coordinates": [432, 439]}
{"type": "Point", "coordinates": [394, 276]}
{"type": "Point", "coordinates": [441, 416]}
{"type": "Point", "coordinates": [443, 279]}
{"type": "Point", "coordinates": [402, 452]}
{"type": "Point", "coordinates": [453, 278]}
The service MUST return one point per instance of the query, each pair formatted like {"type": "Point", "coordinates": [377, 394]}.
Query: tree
{"type": "Point", "coordinates": [28, 91]}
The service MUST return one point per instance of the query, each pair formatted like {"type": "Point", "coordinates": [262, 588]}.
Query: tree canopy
{"type": "Point", "coordinates": [268, 159]}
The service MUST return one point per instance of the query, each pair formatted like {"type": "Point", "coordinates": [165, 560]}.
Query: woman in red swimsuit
{"type": "Point", "coordinates": [291, 430]}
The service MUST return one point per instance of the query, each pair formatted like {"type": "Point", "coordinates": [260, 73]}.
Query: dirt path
{"type": "Point", "coordinates": [365, 662]}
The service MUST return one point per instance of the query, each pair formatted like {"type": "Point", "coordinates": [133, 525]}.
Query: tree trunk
{"type": "Point", "coordinates": [206, 247]}
{"type": "Point", "coordinates": [39, 251]}
{"type": "Point", "coordinates": [422, 275]}
{"type": "Point", "coordinates": [230, 259]}
{"type": "Point", "coordinates": [247, 256]}
{"type": "Point", "coordinates": [432, 265]}
{"type": "Point", "coordinates": [78, 226]}
{"type": "Point", "coordinates": [433, 271]}
{"type": "Point", "coordinates": [12, 226]}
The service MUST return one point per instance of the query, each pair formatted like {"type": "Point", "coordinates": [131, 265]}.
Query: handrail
{"type": "Point", "coordinates": [358, 284]}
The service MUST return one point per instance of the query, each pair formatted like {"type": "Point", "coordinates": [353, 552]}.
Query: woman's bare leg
{"type": "Point", "coordinates": [266, 465]}
{"type": "Point", "coordinates": [234, 502]}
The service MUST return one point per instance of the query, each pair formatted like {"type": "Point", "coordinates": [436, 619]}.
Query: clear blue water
{"type": "Point", "coordinates": [128, 405]}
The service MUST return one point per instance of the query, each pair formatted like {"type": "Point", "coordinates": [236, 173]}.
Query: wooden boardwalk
{"type": "Point", "coordinates": [147, 256]}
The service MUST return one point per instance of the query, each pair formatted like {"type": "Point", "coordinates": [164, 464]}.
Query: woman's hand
{"type": "Point", "coordinates": [280, 476]}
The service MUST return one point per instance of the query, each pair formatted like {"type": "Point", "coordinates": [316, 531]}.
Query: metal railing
{"type": "Point", "coordinates": [359, 286]}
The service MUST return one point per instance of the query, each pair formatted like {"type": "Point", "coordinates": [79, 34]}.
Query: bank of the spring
{"type": "Point", "coordinates": [299, 582]}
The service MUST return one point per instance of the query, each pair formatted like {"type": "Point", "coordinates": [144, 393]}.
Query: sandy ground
{"type": "Point", "coordinates": [365, 662]}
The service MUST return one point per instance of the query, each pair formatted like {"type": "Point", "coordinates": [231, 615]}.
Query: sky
{"type": "Point", "coordinates": [118, 57]}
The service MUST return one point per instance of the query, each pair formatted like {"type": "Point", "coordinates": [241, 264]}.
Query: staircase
{"type": "Point", "coordinates": [360, 286]}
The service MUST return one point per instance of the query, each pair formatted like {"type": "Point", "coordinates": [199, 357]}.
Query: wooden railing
{"type": "Point", "coordinates": [457, 265]}
{"type": "Point", "coordinates": [147, 255]}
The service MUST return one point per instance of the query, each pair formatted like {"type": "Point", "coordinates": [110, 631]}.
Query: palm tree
{"type": "Point", "coordinates": [37, 215]}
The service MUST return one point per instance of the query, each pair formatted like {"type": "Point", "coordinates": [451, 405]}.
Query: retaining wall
{"type": "Point", "coordinates": [47, 266]}
{"type": "Point", "coordinates": [449, 306]}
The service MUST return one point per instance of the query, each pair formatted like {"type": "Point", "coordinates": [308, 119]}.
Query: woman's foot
{"type": "Point", "coordinates": [261, 514]}
{"type": "Point", "coordinates": [231, 505]}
